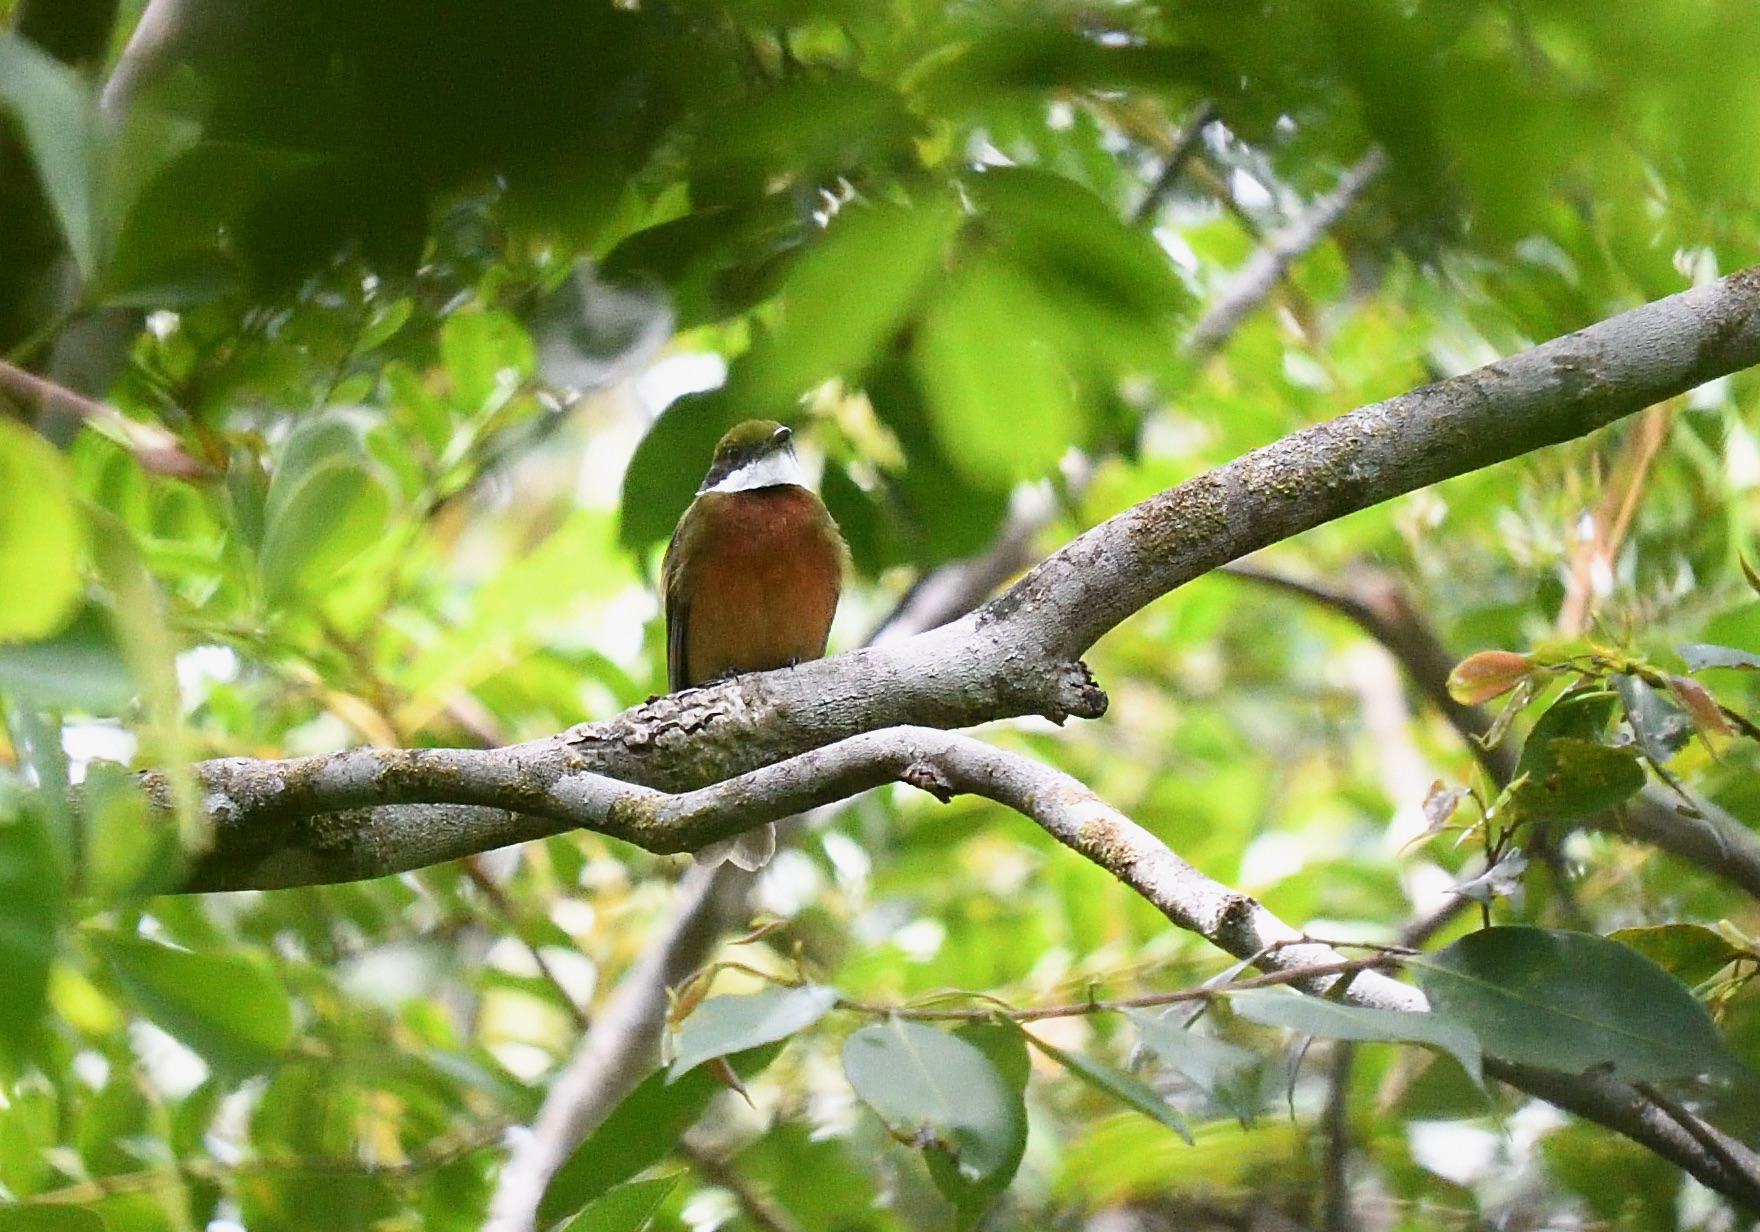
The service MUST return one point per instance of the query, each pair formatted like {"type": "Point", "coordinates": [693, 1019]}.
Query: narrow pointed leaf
{"type": "Point", "coordinates": [1115, 1082]}
{"type": "Point", "coordinates": [1274, 1007]}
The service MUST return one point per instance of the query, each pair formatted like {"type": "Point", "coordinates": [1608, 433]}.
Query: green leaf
{"type": "Point", "coordinates": [640, 1131]}
{"type": "Point", "coordinates": [322, 513]}
{"type": "Point", "coordinates": [228, 1008]}
{"type": "Point", "coordinates": [80, 668]}
{"type": "Point", "coordinates": [1281, 1007]}
{"type": "Point", "coordinates": [990, 357]}
{"type": "Point", "coordinates": [723, 1025]}
{"type": "Point", "coordinates": [1689, 952]}
{"type": "Point", "coordinates": [31, 907]}
{"type": "Point", "coordinates": [626, 1208]}
{"type": "Point", "coordinates": [668, 465]}
{"type": "Point", "coordinates": [58, 116]}
{"type": "Point", "coordinates": [487, 355]}
{"type": "Point", "coordinates": [1573, 1002]}
{"type": "Point", "coordinates": [1701, 655]}
{"type": "Point", "coordinates": [827, 330]}
{"type": "Point", "coordinates": [1224, 1071]}
{"type": "Point", "coordinates": [131, 849]}
{"type": "Point", "coordinates": [41, 534]}
{"type": "Point", "coordinates": [1115, 1082]}
{"type": "Point", "coordinates": [936, 1091]}
{"type": "Point", "coordinates": [1006, 1047]}
{"type": "Point", "coordinates": [1570, 771]}
{"type": "Point", "coordinates": [49, 1217]}
{"type": "Point", "coordinates": [1112, 279]}
{"type": "Point", "coordinates": [1578, 778]}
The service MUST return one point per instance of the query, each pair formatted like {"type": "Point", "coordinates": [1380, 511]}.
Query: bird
{"type": "Point", "coordinates": [750, 580]}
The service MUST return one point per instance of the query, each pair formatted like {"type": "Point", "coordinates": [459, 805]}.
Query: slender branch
{"type": "Point", "coordinates": [759, 1208]}
{"type": "Point", "coordinates": [1253, 282]}
{"type": "Point", "coordinates": [1173, 165]}
{"type": "Point", "coordinates": [618, 1051]}
{"type": "Point", "coordinates": [156, 449]}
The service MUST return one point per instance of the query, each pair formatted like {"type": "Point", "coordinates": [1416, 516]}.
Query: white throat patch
{"type": "Point", "coordinates": [768, 471]}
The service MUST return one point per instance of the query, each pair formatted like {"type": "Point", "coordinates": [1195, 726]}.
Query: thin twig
{"type": "Point", "coordinates": [156, 449]}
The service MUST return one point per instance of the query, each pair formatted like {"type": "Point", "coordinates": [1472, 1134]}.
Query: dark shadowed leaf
{"type": "Point", "coordinates": [227, 1008]}
{"type": "Point", "coordinates": [724, 1025]}
{"type": "Point", "coordinates": [1279, 1007]}
{"type": "Point", "coordinates": [1573, 1002]}
{"type": "Point", "coordinates": [668, 465]}
{"type": "Point", "coordinates": [1110, 1080]}
{"type": "Point", "coordinates": [640, 1131]}
{"type": "Point", "coordinates": [936, 1092]}
{"type": "Point", "coordinates": [626, 1208]}
{"type": "Point", "coordinates": [59, 118]}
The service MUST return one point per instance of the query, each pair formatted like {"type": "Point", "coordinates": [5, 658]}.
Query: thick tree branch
{"type": "Point", "coordinates": [1017, 654]}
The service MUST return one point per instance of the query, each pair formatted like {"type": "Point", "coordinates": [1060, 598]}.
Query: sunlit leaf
{"type": "Point", "coordinates": [1006, 1048]}
{"type": "Point", "coordinates": [228, 1008]}
{"type": "Point", "coordinates": [990, 357]}
{"type": "Point", "coordinates": [1691, 953]}
{"type": "Point", "coordinates": [627, 1208]}
{"type": "Point", "coordinates": [724, 1025]}
{"type": "Point", "coordinates": [936, 1091]}
{"type": "Point", "coordinates": [41, 534]}
{"type": "Point", "coordinates": [1488, 674]}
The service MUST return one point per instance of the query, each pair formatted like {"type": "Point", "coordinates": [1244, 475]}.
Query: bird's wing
{"type": "Point", "coordinates": [678, 612]}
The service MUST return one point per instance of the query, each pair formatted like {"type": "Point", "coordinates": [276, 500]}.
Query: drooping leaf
{"type": "Point", "coordinates": [724, 1025]}
{"type": "Point", "coordinates": [228, 1008]}
{"type": "Point", "coordinates": [59, 117]}
{"type": "Point", "coordinates": [1006, 1048]}
{"type": "Point", "coordinates": [1573, 1002]}
{"type": "Point", "coordinates": [937, 1092]}
{"type": "Point", "coordinates": [890, 254]}
{"type": "Point", "coordinates": [41, 534]}
{"type": "Point", "coordinates": [1276, 1007]}
{"type": "Point", "coordinates": [319, 519]}
{"type": "Point", "coordinates": [1221, 1070]}
{"type": "Point", "coordinates": [1109, 1080]}
{"type": "Point", "coordinates": [991, 358]}
{"type": "Point", "coordinates": [639, 1132]}
{"type": "Point", "coordinates": [31, 906]}
{"type": "Point", "coordinates": [626, 1208]}
{"type": "Point", "coordinates": [1659, 726]}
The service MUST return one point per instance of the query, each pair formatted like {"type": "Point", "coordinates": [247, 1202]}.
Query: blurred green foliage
{"type": "Point", "coordinates": [444, 304]}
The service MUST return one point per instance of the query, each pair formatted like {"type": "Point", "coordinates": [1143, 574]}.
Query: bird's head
{"type": "Point", "coordinates": [758, 453]}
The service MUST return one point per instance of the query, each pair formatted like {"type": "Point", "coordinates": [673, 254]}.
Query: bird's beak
{"type": "Point", "coordinates": [781, 436]}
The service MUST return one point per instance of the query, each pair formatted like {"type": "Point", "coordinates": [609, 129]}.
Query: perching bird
{"type": "Point", "coordinates": [750, 580]}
